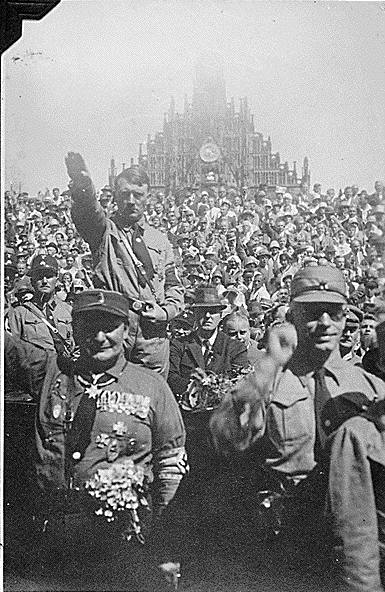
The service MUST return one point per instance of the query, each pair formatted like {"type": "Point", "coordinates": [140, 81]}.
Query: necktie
{"type": "Point", "coordinates": [207, 346]}
{"type": "Point", "coordinates": [48, 314]}
{"type": "Point", "coordinates": [140, 250]}
{"type": "Point", "coordinates": [321, 396]}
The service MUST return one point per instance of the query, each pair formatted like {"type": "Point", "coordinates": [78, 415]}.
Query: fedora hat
{"type": "Point", "coordinates": [207, 297]}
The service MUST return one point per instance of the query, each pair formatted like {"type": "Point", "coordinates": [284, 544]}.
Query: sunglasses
{"type": "Point", "coordinates": [314, 312]}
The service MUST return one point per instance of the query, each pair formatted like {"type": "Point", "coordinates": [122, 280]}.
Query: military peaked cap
{"type": "Point", "coordinates": [318, 283]}
{"type": "Point", "coordinates": [101, 300]}
{"type": "Point", "coordinates": [44, 263]}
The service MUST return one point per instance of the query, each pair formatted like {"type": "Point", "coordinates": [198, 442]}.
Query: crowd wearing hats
{"type": "Point", "coordinates": [251, 246]}
{"type": "Point", "coordinates": [247, 243]}
{"type": "Point", "coordinates": [42, 226]}
{"type": "Point", "coordinates": [242, 257]}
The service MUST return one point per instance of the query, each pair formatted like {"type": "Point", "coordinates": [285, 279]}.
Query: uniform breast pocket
{"type": "Point", "coordinates": [34, 328]}
{"type": "Point", "coordinates": [157, 261]}
{"type": "Point", "coordinates": [294, 423]}
{"type": "Point", "coordinates": [298, 421]}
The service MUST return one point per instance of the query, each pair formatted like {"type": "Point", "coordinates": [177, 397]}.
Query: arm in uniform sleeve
{"type": "Point", "coordinates": [173, 290]}
{"type": "Point", "coordinates": [25, 365]}
{"type": "Point", "coordinates": [168, 442]}
{"type": "Point", "coordinates": [240, 420]}
{"type": "Point", "coordinates": [87, 213]}
{"type": "Point", "coordinates": [15, 321]}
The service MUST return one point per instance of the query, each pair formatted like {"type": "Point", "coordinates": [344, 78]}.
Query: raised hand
{"type": "Point", "coordinates": [281, 343]}
{"type": "Point", "coordinates": [76, 167]}
{"type": "Point", "coordinates": [153, 312]}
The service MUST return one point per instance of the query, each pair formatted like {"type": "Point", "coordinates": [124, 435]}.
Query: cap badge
{"type": "Point", "coordinates": [101, 298]}
{"type": "Point", "coordinates": [323, 286]}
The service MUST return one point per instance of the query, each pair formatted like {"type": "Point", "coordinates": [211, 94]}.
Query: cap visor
{"type": "Point", "coordinates": [37, 270]}
{"type": "Point", "coordinates": [320, 296]}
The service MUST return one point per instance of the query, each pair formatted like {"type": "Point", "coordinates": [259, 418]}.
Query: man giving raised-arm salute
{"type": "Point", "coordinates": [130, 257]}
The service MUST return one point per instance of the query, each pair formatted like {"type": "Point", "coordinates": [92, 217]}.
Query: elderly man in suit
{"type": "Point", "coordinates": [206, 349]}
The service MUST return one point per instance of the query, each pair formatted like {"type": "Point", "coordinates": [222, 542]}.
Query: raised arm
{"type": "Point", "coordinates": [240, 420]}
{"type": "Point", "coordinates": [25, 365]}
{"type": "Point", "coordinates": [87, 213]}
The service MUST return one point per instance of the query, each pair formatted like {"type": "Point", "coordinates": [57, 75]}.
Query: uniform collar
{"type": "Point", "coordinates": [50, 304]}
{"type": "Point", "coordinates": [119, 367]}
{"type": "Point", "coordinates": [335, 367]}
{"type": "Point", "coordinates": [140, 224]}
{"type": "Point", "coordinates": [114, 372]}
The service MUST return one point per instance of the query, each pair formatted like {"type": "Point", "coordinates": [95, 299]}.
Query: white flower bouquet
{"type": "Point", "coordinates": [120, 488]}
{"type": "Point", "coordinates": [207, 393]}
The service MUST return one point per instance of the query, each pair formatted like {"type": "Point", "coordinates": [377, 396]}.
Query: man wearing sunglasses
{"type": "Point", "coordinates": [314, 422]}
{"type": "Point", "coordinates": [45, 321]}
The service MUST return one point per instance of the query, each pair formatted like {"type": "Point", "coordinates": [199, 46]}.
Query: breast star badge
{"type": "Point", "coordinates": [92, 391]}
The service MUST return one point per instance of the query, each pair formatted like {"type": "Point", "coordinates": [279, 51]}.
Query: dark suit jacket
{"type": "Point", "coordinates": [186, 355]}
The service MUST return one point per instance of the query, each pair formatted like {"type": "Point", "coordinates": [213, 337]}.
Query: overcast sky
{"type": "Point", "coordinates": [96, 76]}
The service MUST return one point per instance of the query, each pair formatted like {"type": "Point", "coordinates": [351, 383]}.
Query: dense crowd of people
{"type": "Point", "coordinates": [203, 286]}
{"type": "Point", "coordinates": [247, 243]}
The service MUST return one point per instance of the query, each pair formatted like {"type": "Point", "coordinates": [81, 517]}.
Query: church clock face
{"type": "Point", "coordinates": [209, 152]}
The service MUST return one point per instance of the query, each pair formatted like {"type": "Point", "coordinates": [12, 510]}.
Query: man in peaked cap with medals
{"type": "Point", "coordinates": [101, 410]}
{"type": "Point", "coordinates": [317, 423]}
{"type": "Point", "coordinates": [131, 257]}
{"type": "Point", "coordinates": [45, 321]}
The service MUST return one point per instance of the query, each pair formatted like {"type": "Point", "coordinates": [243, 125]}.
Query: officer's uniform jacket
{"type": "Point", "coordinates": [136, 417]}
{"type": "Point", "coordinates": [282, 432]}
{"type": "Point", "coordinates": [287, 417]}
{"type": "Point", "coordinates": [29, 327]}
{"type": "Point", "coordinates": [290, 418]}
{"type": "Point", "coordinates": [114, 269]}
